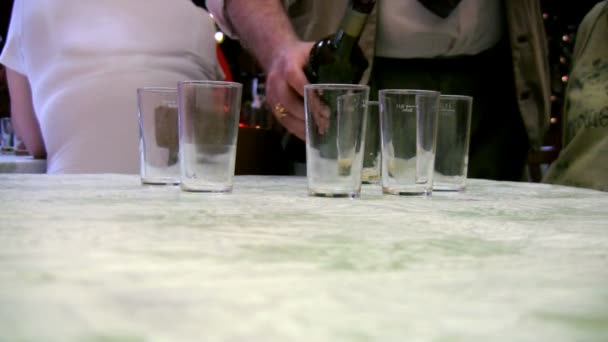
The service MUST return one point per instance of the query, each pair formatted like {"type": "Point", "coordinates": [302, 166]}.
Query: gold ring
{"type": "Point", "coordinates": [280, 110]}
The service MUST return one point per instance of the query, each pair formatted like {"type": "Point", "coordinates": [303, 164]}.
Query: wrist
{"type": "Point", "coordinates": [263, 28]}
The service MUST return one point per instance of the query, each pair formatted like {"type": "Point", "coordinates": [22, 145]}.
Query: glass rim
{"type": "Point", "coordinates": [409, 91]}
{"type": "Point", "coordinates": [455, 97]}
{"type": "Point", "coordinates": [157, 89]}
{"type": "Point", "coordinates": [336, 86]}
{"type": "Point", "coordinates": [227, 84]}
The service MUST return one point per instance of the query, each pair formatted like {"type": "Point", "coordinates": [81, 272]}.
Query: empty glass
{"type": "Point", "coordinates": [372, 154]}
{"type": "Point", "coordinates": [208, 129]}
{"type": "Point", "coordinates": [6, 135]}
{"type": "Point", "coordinates": [408, 120]}
{"type": "Point", "coordinates": [453, 134]}
{"type": "Point", "coordinates": [158, 142]}
{"type": "Point", "coordinates": [335, 129]}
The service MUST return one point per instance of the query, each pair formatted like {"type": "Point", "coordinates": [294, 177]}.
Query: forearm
{"type": "Point", "coordinates": [22, 113]}
{"type": "Point", "coordinates": [262, 26]}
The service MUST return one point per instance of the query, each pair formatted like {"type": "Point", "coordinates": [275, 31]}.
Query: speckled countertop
{"type": "Point", "coordinates": [103, 258]}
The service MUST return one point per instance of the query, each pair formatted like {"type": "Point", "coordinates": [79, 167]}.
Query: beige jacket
{"type": "Point", "coordinates": [315, 19]}
{"type": "Point", "coordinates": [583, 160]}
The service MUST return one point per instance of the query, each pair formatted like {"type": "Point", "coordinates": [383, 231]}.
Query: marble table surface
{"type": "Point", "coordinates": [104, 258]}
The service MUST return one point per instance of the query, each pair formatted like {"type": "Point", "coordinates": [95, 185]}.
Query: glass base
{"type": "Point", "coordinates": [209, 189]}
{"type": "Point", "coordinates": [407, 192]}
{"type": "Point", "coordinates": [370, 176]}
{"type": "Point", "coordinates": [448, 188]}
{"type": "Point", "coordinates": [334, 194]}
{"type": "Point", "coordinates": [160, 181]}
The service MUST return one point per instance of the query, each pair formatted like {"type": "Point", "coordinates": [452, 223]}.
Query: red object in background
{"type": "Point", "coordinates": [221, 58]}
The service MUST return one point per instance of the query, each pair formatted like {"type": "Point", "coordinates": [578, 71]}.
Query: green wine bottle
{"type": "Point", "coordinates": [338, 58]}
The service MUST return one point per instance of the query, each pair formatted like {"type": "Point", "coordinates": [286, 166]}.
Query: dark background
{"type": "Point", "coordinates": [5, 14]}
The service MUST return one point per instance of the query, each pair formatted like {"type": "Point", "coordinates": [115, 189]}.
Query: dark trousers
{"type": "Point", "coordinates": [499, 143]}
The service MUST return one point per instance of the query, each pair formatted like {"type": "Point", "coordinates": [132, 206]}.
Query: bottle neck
{"type": "Point", "coordinates": [350, 30]}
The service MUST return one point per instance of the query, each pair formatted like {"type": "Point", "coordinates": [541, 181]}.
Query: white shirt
{"type": "Point", "coordinates": [406, 29]}
{"type": "Point", "coordinates": [85, 59]}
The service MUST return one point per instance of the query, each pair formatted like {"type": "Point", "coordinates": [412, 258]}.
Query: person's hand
{"type": "Point", "coordinates": [285, 82]}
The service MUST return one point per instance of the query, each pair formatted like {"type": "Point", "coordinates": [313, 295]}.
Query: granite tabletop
{"type": "Point", "coordinates": [104, 258]}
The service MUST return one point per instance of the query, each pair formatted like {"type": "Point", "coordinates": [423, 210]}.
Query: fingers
{"type": "Point", "coordinates": [278, 91]}
{"type": "Point", "coordinates": [319, 111]}
{"type": "Point", "coordinates": [285, 87]}
{"type": "Point", "coordinates": [294, 126]}
{"type": "Point", "coordinates": [288, 106]}
{"type": "Point", "coordinates": [284, 113]}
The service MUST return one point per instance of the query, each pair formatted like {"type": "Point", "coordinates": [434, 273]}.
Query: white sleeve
{"type": "Point", "coordinates": [12, 54]}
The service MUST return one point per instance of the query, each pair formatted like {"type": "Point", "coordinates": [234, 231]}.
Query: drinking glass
{"type": "Point", "coordinates": [6, 135]}
{"type": "Point", "coordinates": [453, 134]}
{"type": "Point", "coordinates": [158, 142]}
{"type": "Point", "coordinates": [408, 120]}
{"type": "Point", "coordinates": [372, 155]}
{"type": "Point", "coordinates": [335, 131]}
{"type": "Point", "coordinates": [208, 129]}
